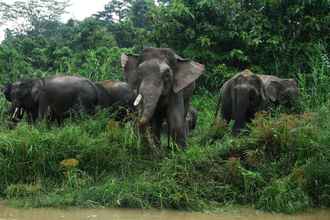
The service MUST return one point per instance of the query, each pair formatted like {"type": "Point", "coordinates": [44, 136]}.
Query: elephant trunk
{"type": "Point", "coordinates": [241, 104]}
{"type": "Point", "coordinates": [150, 93]}
{"type": "Point", "coordinates": [290, 97]}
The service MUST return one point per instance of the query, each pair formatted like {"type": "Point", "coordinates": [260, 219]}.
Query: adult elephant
{"type": "Point", "coordinates": [280, 91]}
{"type": "Point", "coordinates": [53, 96]}
{"type": "Point", "coordinates": [240, 98]}
{"type": "Point", "coordinates": [164, 83]}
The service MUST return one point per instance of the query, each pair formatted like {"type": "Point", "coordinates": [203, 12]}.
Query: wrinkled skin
{"type": "Point", "coordinates": [280, 91]}
{"type": "Point", "coordinates": [164, 83]}
{"type": "Point", "coordinates": [52, 97]}
{"type": "Point", "coordinates": [240, 98]}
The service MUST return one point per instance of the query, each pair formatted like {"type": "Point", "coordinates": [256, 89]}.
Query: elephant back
{"type": "Point", "coordinates": [116, 92]}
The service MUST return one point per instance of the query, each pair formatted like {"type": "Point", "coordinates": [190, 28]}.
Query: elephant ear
{"type": "Point", "coordinates": [35, 93]}
{"type": "Point", "coordinates": [272, 90]}
{"type": "Point", "coordinates": [129, 63]}
{"type": "Point", "coordinates": [187, 72]}
{"type": "Point", "coordinates": [263, 93]}
{"type": "Point", "coordinates": [6, 89]}
{"type": "Point", "coordinates": [290, 83]}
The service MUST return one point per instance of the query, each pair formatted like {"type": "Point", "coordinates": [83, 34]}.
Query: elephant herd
{"type": "Point", "coordinates": [158, 85]}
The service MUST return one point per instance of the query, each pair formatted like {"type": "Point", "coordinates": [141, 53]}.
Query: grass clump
{"type": "Point", "coordinates": [283, 196]}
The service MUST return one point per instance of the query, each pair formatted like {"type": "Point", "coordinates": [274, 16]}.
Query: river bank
{"type": "Point", "coordinates": [281, 165]}
{"type": "Point", "coordinates": [8, 213]}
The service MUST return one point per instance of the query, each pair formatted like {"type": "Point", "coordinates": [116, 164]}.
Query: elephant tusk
{"type": "Point", "coordinates": [14, 114]}
{"type": "Point", "coordinates": [137, 100]}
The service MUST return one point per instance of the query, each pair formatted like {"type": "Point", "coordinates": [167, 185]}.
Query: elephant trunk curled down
{"type": "Point", "coordinates": [240, 98]}
{"type": "Point", "coordinates": [164, 83]}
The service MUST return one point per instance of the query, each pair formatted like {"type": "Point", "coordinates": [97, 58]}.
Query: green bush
{"type": "Point", "coordinates": [283, 196]}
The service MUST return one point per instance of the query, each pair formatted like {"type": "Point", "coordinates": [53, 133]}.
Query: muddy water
{"type": "Point", "coordinates": [7, 213]}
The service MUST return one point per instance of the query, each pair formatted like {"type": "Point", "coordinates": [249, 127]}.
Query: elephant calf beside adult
{"type": "Point", "coordinates": [280, 91]}
{"type": "Point", "coordinates": [57, 96]}
{"type": "Point", "coordinates": [164, 83]}
{"type": "Point", "coordinates": [246, 93]}
{"type": "Point", "coordinates": [117, 95]}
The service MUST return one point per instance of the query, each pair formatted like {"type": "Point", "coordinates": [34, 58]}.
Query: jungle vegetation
{"type": "Point", "coordinates": [282, 164]}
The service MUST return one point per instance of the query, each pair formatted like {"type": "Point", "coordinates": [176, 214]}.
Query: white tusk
{"type": "Point", "coordinates": [21, 111]}
{"type": "Point", "coordinates": [137, 100]}
{"type": "Point", "coordinates": [14, 114]}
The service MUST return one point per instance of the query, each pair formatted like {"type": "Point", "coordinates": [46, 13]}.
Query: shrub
{"type": "Point", "coordinates": [283, 196]}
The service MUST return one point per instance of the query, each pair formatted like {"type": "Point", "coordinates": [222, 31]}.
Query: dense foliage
{"type": "Point", "coordinates": [282, 165]}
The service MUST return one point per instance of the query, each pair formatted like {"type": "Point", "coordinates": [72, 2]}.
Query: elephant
{"type": "Point", "coordinates": [164, 82]}
{"type": "Point", "coordinates": [116, 94]}
{"type": "Point", "coordinates": [53, 97]}
{"type": "Point", "coordinates": [191, 118]}
{"type": "Point", "coordinates": [280, 91]}
{"type": "Point", "coordinates": [240, 98]}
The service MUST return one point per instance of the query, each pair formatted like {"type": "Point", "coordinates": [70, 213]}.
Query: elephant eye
{"type": "Point", "coordinates": [167, 75]}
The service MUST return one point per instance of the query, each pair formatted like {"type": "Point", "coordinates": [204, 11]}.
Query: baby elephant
{"type": "Point", "coordinates": [280, 91]}
{"type": "Point", "coordinates": [191, 120]}
{"type": "Point", "coordinates": [118, 95]}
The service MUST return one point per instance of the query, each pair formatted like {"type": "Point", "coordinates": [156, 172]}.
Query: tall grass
{"type": "Point", "coordinates": [314, 85]}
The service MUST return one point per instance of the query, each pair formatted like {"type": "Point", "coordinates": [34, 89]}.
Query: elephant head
{"type": "Point", "coordinates": [281, 91]}
{"type": "Point", "coordinates": [156, 74]}
{"type": "Point", "coordinates": [21, 95]}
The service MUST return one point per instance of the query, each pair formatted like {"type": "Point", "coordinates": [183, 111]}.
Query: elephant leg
{"type": "Point", "coordinates": [88, 105]}
{"type": "Point", "coordinates": [59, 119]}
{"type": "Point", "coordinates": [241, 105]}
{"type": "Point", "coordinates": [176, 119]}
{"type": "Point", "coordinates": [156, 130]}
{"type": "Point", "coordinates": [226, 108]}
{"type": "Point", "coordinates": [43, 106]}
{"type": "Point", "coordinates": [187, 107]}
{"type": "Point", "coordinates": [32, 116]}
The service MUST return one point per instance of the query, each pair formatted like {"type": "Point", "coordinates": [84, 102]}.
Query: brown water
{"type": "Point", "coordinates": [7, 213]}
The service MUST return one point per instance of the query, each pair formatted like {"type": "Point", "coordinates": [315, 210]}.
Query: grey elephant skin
{"type": "Point", "coordinates": [118, 95]}
{"type": "Point", "coordinates": [191, 120]}
{"type": "Point", "coordinates": [57, 96]}
{"type": "Point", "coordinates": [52, 97]}
{"type": "Point", "coordinates": [240, 98]}
{"type": "Point", "coordinates": [280, 91]}
{"type": "Point", "coordinates": [164, 83]}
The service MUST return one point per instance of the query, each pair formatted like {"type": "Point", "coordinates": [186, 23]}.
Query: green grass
{"type": "Point", "coordinates": [96, 161]}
